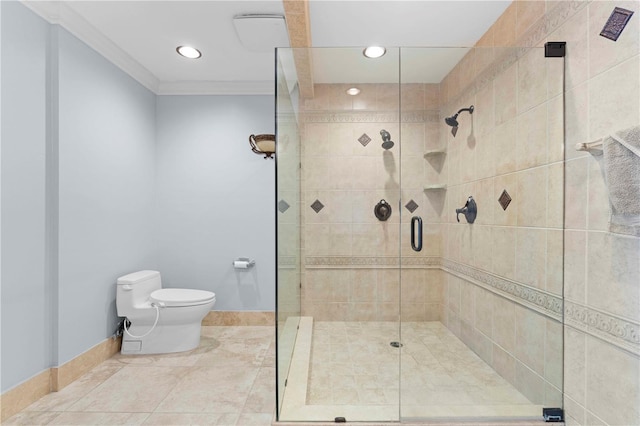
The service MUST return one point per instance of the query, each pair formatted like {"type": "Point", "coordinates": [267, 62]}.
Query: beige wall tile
{"type": "Point", "coordinates": [598, 201]}
{"type": "Point", "coordinates": [613, 99]}
{"type": "Point", "coordinates": [528, 13]}
{"type": "Point", "coordinates": [532, 200]}
{"type": "Point", "coordinates": [504, 324]}
{"type": "Point", "coordinates": [576, 113]}
{"type": "Point", "coordinates": [482, 247]}
{"type": "Point", "coordinates": [553, 353]}
{"type": "Point", "coordinates": [432, 96]}
{"type": "Point", "coordinates": [485, 155]}
{"type": "Point", "coordinates": [467, 302]}
{"type": "Point", "coordinates": [554, 253]}
{"type": "Point", "coordinates": [364, 287]}
{"type": "Point", "coordinates": [412, 96]}
{"type": "Point", "coordinates": [575, 33]}
{"type": "Point", "coordinates": [531, 140]}
{"type": "Point", "coordinates": [612, 376]}
{"type": "Point", "coordinates": [575, 252]}
{"type": "Point", "coordinates": [505, 147]}
{"type": "Point", "coordinates": [555, 196]}
{"type": "Point", "coordinates": [504, 240]}
{"type": "Point", "coordinates": [505, 87]}
{"type": "Point", "coordinates": [613, 274]}
{"type": "Point", "coordinates": [387, 97]}
{"type": "Point", "coordinates": [530, 339]}
{"type": "Point", "coordinates": [529, 383]}
{"type": "Point", "coordinates": [484, 313]}
{"type": "Point", "coordinates": [532, 80]}
{"type": "Point", "coordinates": [504, 29]}
{"type": "Point", "coordinates": [531, 245]}
{"type": "Point", "coordinates": [576, 187]}
{"type": "Point", "coordinates": [504, 364]}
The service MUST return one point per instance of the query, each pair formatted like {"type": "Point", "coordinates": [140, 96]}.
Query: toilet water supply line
{"type": "Point", "coordinates": [155, 305]}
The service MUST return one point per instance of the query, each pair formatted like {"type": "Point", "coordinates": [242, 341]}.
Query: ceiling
{"type": "Point", "coordinates": [141, 36]}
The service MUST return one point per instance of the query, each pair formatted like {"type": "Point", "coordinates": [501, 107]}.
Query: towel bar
{"type": "Point", "coordinates": [594, 145]}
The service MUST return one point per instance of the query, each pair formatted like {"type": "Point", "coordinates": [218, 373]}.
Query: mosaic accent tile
{"type": "Point", "coordinates": [364, 139]}
{"type": "Point", "coordinates": [616, 23]}
{"type": "Point", "coordinates": [504, 199]}
{"type": "Point", "coordinates": [283, 206]}
{"type": "Point", "coordinates": [412, 206]}
{"type": "Point", "coordinates": [317, 206]}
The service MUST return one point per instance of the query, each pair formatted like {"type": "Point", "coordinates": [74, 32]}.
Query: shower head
{"type": "Point", "coordinates": [387, 143]}
{"type": "Point", "coordinates": [453, 120]}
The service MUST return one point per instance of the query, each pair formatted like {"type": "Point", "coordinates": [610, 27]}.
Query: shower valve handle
{"type": "Point", "coordinates": [470, 210]}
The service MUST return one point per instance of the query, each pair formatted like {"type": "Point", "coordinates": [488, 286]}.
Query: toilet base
{"type": "Point", "coordinates": [162, 340]}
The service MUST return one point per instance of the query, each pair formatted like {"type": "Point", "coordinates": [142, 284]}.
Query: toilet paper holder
{"type": "Point", "coordinates": [243, 263]}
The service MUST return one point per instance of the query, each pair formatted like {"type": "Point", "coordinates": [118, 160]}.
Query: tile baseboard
{"type": "Point", "coordinates": [56, 378]}
{"type": "Point", "coordinates": [71, 371]}
{"type": "Point", "coordinates": [239, 318]}
{"type": "Point", "coordinates": [25, 394]}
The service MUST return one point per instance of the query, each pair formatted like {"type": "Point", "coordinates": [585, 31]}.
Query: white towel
{"type": "Point", "coordinates": [621, 152]}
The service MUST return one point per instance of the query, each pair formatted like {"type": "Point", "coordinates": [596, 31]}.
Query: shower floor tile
{"type": "Point", "coordinates": [353, 364]}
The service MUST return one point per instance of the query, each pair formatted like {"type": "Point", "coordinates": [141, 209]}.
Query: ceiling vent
{"type": "Point", "coordinates": [261, 33]}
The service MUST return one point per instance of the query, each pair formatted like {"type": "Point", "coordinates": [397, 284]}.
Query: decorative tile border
{"type": "Point", "coordinates": [427, 116]}
{"type": "Point", "coordinates": [545, 303]}
{"type": "Point", "coordinates": [369, 261]}
{"type": "Point", "coordinates": [620, 332]}
{"type": "Point", "coordinates": [617, 331]}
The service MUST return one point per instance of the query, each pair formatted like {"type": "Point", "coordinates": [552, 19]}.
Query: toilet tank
{"type": "Point", "coordinates": [133, 290]}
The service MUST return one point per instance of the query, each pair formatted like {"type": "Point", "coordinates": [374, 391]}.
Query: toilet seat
{"type": "Point", "coordinates": [174, 297]}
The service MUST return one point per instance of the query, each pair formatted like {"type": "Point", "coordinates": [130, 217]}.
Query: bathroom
{"type": "Point", "coordinates": [86, 193]}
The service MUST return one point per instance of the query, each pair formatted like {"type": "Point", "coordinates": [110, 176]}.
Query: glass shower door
{"type": "Point", "coordinates": [482, 303]}
{"type": "Point", "coordinates": [343, 364]}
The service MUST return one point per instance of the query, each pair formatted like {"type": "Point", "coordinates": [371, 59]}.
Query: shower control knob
{"type": "Point", "coordinates": [382, 210]}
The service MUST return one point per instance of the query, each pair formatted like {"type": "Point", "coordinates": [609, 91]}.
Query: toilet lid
{"type": "Point", "coordinates": [182, 296]}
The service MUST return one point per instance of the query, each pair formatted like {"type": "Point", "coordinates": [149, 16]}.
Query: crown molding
{"type": "Point", "coordinates": [216, 88]}
{"type": "Point", "coordinates": [57, 12]}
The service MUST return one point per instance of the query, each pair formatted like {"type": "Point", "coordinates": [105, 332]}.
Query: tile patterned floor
{"type": "Point", "coordinates": [353, 363]}
{"type": "Point", "coordinates": [228, 380]}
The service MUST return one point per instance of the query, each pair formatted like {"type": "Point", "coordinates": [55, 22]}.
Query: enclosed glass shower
{"type": "Point", "coordinates": [419, 259]}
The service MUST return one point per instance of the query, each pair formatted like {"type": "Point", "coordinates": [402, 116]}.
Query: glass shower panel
{"type": "Point", "coordinates": [482, 303]}
{"type": "Point", "coordinates": [416, 315]}
{"type": "Point", "coordinates": [343, 364]}
{"type": "Point", "coordinates": [288, 217]}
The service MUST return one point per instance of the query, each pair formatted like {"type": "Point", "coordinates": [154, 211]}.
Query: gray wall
{"type": "Point", "coordinates": [215, 198]}
{"type": "Point", "coordinates": [106, 196]}
{"type": "Point", "coordinates": [25, 299]}
{"type": "Point", "coordinates": [99, 177]}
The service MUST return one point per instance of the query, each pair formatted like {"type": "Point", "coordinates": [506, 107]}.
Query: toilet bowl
{"type": "Point", "coordinates": [163, 320]}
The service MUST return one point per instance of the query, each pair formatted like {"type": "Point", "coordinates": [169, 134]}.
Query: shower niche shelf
{"type": "Point", "coordinates": [436, 187]}
{"type": "Point", "coordinates": [435, 153]}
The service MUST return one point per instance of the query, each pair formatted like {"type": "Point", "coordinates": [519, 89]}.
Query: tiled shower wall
{"type": "Point", "coordinates": [515, 147]}
{"type": "Point", "coordinates": [350, 258]}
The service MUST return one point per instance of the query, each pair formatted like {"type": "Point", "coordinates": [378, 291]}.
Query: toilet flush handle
{"type": "Point", "coordinates": [127, 287]}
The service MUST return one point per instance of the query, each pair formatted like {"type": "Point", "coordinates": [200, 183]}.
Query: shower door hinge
{"type": "Point", "coordinates": [285, 382]}
{"type": "Point", "coordinates": [555, 49]}
{"type": "Point", "coordinates": [553, 415]}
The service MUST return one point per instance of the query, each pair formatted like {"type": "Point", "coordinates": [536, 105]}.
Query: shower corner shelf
{"type": "Point", "coordinates": [437, 187]}
{"type": "Point", "coordinates": [434, 153]}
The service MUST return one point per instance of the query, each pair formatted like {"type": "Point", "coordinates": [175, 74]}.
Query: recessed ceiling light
{"type": "Point", "coordinates": [353, 91]}
{"type": "Point", "coordinates": [374, 51]}
{"type": "Point", "coordinates": [188, 52]}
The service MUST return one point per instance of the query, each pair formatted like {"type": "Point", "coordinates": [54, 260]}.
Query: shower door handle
{"type": "Point", "coordinates": [414, 246]}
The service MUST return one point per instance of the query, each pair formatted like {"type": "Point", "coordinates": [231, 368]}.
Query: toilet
{"type": "Point", "coordinates": [163, 320]}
